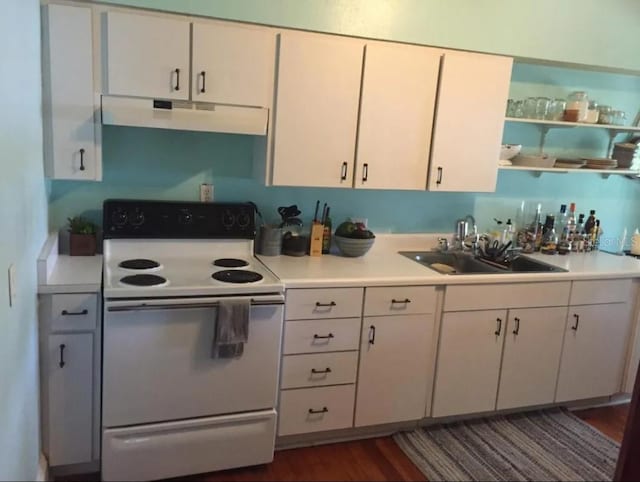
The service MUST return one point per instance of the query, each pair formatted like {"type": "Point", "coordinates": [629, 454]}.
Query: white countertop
{"type": "Point", "coordinates": [58, 273]}
{"type": "Point", "coordinates": [383, 266]}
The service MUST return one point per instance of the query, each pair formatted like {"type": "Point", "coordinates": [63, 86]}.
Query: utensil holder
{"type": "Point", "coordinates": [270, 241]}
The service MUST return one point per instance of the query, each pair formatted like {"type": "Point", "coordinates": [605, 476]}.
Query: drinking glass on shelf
{"type": "Point", "coordinates": [511, 108]}
{"type": "Point", "coordinates": [556, 109]}
{"type": "Point", "coordinates": [529, 107]}
{"type": "Point", "coordinates": [542, 107]}
{"type": "Point", "coordinates": [518, 109]}
{"type": "Point", "coordinates": [618, 117]}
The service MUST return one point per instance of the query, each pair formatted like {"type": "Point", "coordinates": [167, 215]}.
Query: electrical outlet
{"type": "Point", "coordinates": [12, 285]}
{"type": "Point", "coordinates": [206, 193]}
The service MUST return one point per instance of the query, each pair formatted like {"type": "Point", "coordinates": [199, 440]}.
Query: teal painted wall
{"type": "Point", "coordinates": [149, 163]}
{"type": "Point", "coordinates": [23, 213]}
{"type": "Point", "coordinates": [589, 32]}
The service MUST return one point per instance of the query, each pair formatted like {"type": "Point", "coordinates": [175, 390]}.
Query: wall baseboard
{"type": "Point", "coordinates": [43, 469]}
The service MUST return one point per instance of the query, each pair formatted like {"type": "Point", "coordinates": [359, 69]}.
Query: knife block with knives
{"type": "Point", "coordinates": [317, 230]}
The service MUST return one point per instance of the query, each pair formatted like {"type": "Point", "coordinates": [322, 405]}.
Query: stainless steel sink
{"type": "Point", "coordinates": [463, 263]}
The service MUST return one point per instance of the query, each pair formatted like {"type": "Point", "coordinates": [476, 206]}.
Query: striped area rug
{"type": "Point", "coordinates": [541, 445]}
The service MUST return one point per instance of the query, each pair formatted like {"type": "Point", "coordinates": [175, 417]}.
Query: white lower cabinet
{"type": "Point", "coordinates": [594, 351]}
{"type": "Point", "coordinates": [468, 366]}
{"type": "Point", "coordinates": [70, 397]}
{"type": "Point", "coordinates": [395, 368]}
{"type": "Point", "coordinates": [533, 343]}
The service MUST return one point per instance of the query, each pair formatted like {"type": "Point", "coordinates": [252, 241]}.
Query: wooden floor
{"type": "Point", "coordinates": [372, 459]}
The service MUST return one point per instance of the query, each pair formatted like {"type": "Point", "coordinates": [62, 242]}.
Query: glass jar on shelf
{"type": "Point", "coordinates": [605, 114]}
{"type": "Point", "coordinates": [618, 118]}
{"type": "Point", "coordinates": [577, 107]}
{"type": "Point", "coordinates": [556, 109]}
{"type": "Point", "coordinates": [592, 113]}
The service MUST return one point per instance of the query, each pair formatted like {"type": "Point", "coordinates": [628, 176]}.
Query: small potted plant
{"type": "Point", "coordinates": [82, 237]}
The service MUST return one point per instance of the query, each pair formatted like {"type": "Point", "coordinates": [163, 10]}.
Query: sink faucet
{"type": "Point", "coordinates": [462, 233]}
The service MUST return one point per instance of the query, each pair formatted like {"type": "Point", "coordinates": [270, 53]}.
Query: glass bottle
{"type": "Point", "coordinates": [326, 236]}
{"type": "Point", "coordinates": [561, 220]}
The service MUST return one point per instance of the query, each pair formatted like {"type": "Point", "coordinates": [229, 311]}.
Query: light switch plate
{"type": "Point", "coordinates": [12, 285]}
{"type": "Point", "coordinates": [206, 193]}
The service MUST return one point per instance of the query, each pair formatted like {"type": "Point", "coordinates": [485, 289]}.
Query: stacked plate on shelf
{"type": "Point", "coordinates": [600, 163]}
{"type": "Point", "coordinates": [564, 163]}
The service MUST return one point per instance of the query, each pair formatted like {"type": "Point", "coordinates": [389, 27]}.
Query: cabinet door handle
{"type": "Point", "coordinates": [517, 330]}
{"type": "Point", "coordinates": [439, 178]}
{"type": "Point", "coordinates": [82, 159]}
{"type": "Point", "coordinates": [331, 303]}
{"type": "Point", "coordinates": [62, 363]}
{"type": "Point", "coordinates": [323, 337]}
{"type": "Point", "coordinates": [74, 313]}
{"type": "Point", "coordinates": [365, 172]}
{"type": "Point", "coordinates": [177, 86]}
{"type": "Point", "coordinates": [397, 302]}
{"type": "Point", "coordinates": [575, 326]}
{"type": "Point", "coordinates": [343, 172]}
{"type": "Point", "coordinates": [203, 88]}
{"type": "Point", "coordinates": [322, 410]}
{"type": "Point", "coordinates": [499, 329]}
{"type": "Point", "coordinates": [316, 372]}
{"type": "Point", "coordinates": [372, 335]}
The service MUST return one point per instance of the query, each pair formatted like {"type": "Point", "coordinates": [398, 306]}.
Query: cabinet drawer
{"type": "Point", "coordinates": [310, 336]}
{"type": "Point", "coordinates": [316, 409]}
{"type": "Point", "coordinates": [306, 304]}
{"type": "Point", "coordinates": [73, 312]}
{"type": "Point", "coordinates": [319, 369]}
{"type": "Point", "coordinates": [600, 291]}
{"type": "Point", "coordinates": [519, 295]}
{"type": "Point", "coordinates": [401, 300]}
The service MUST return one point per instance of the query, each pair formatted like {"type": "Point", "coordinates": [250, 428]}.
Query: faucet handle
{"type": "Point", "coordinates": [443, 244]}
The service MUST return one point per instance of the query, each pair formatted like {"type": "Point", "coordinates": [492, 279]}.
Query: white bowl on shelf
{"type": "Point", "coordinates": [509, 151]}
{"type": "Point", "coordinates": [541, 161]}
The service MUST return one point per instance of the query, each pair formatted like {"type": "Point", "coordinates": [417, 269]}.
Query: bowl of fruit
{"type": "Point", "coordinates": [353, 239]}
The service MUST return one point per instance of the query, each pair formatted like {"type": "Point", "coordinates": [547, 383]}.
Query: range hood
{"type": "Point", "coordinates": [184, 115]}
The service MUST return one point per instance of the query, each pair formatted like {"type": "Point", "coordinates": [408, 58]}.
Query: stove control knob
{"type": "Point", "coordinates": [119, 217]}
{"type": "Point", "coordinates": [185, 217]}
{"type": "Point", "coordinates": [228, 219]}
{"type": "Point", "coordinates": [243, 220]}
{"type": "Point", "coordinates": [136, 218]}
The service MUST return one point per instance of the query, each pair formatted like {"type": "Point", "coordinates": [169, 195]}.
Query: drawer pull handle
{"type": "Point", "coordinates": [517, 330]}
{"type": "Point", "coordinates": [75, 313]}
{"type": "Point", "coordinates": [322, 410]}
{"type": "Point", "coordinates": [575, 327]}
{"type": "Point", "coordinates": [61, 364]}
{"type": "Point", "coordinates": [323, 337]}
{"type": "Point", "coordinates": [177, 87]}
{"type": "Point", "coordinates": [204, 79]}
{"type": "Point", "coordinates": [316, 372]}
{"type": "Point", "coordinates": [499, 328]}
{"type": "Point", "coordinates": [439, 179]}
{"type": "Point", "coordinates": [343, 172]}
{"type": "Point", "coordinates": [319, 305]}
{"type": "Point", "coordinates": [372, 335]}
{"type": "Point", "coordinates": [397, 302]}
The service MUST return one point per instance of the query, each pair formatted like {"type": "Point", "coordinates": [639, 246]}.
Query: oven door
{"type": "Point", "coordinates": [157, 362]}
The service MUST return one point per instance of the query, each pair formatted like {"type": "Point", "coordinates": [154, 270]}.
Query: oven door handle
{"type": "Point", "coordinates": [195, 303]}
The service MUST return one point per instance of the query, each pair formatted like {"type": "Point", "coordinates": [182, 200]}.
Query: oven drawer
{"type": "Point", "coordinates": [76, 312]}
{"type": "Point", "coordinates": [319, 369]}
{"type": "Point", "coordinates": [316, 409]}
{"type": "Point", "coordinates": [171, 449]}
{"type": "Point", "coordinates": [312, 336]}
{"type": "Point", "coordinates": [313, 303]}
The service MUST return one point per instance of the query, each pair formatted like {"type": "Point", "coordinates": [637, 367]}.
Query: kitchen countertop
{"type": "Point", "coordinates": [383, 266]}
{"type": "Point", "coordinates": [58, 273]}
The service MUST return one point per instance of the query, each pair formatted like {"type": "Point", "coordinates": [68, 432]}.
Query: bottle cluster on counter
{"type": "Point", "coordinates": [561, 233]}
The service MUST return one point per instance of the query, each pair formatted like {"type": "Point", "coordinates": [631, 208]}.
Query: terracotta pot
{"type": "Point", "coordinates": [82, 244]}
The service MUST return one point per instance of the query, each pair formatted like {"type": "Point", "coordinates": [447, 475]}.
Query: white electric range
{"type": "Point", "coordinates": [168, 407]}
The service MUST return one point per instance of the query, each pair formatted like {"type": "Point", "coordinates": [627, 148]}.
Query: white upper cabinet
{"type": "Point", "coordinates": [399, 89]}
{"type": "Point", "coordinates": [469, 121]}
{"type": "Point", "coordinates": [316, 111]}
{"type": "Point", "coordinates": [233, 64]}
{"type": "Point", "coordinates": [70, 130]}
{"type": "Point", "coordinates": [147, 56]}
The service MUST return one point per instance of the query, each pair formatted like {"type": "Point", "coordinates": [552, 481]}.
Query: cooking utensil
{"type": "Point", "coordinates": [503, 249]}
{"type": "Point", "coordinates": [315, 213]}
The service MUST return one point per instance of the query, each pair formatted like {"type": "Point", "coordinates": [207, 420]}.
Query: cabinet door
{"type": "Point", "coordinates": [531, 357]}
{"type": "Point", "coordinates": [395, 368]}
{"type": "Point", "coordinates": [594, 351]}
{"type": "Point", "coordinates": [70, 398]}
{"type": "Point", "coordinates": [469, 121]}
{"type": "Point", "coordinates": [68, 94]}
{"type": "Point", "coordinates": [316, 110]}
{"type": "Point", "coordinates": [233, 64]}
{"type": "Point", "coordinates": [147, 56]}
{"type": "Point", "coordinates": [399, 88]}
{"type": "Point", "coordinates": [468, 364]}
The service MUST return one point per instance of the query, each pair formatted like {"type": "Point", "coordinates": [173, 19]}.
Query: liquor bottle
{"type": "Point", "coordinates": [579, 236]}
{"type": "Point", "coordinates": [326, 235]}
{"type": "Point", "coordinates": [591, 221]}
{"type": "Point", "coordinates": [561, 220]}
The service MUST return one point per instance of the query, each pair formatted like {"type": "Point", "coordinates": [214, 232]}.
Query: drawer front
{"type": "Point", "coordinates": [73, 312]}
{"type": "Point", "coordinates": [314, 336]}
{"type": "Point", "coordinates": [309, 304]}
{"type": "Point", "coordinates": [601, 291]}
{"type": "Point", "coordinates": [519, 295]}
{"type": "Point", "coordinates": [401, 300]}
{"type": "Point", "coordinates": [319, 369]}
{"type": "Point", "coordinates": [316, 409]}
